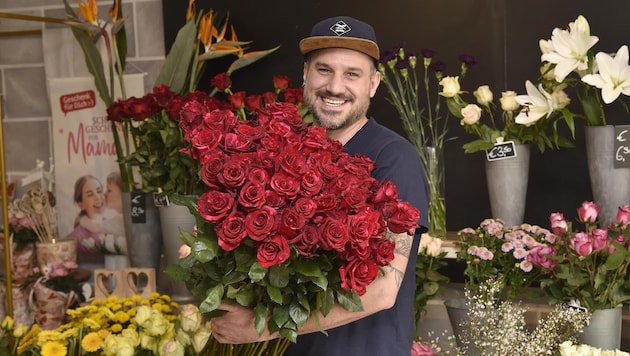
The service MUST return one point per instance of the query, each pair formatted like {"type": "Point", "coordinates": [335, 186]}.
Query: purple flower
{"type": "Point", "coordinates": [427, 53]}
{"type": "Point", "coordinates": [437, 66]}
{"type": "Point", "coordinates": [468, 60]}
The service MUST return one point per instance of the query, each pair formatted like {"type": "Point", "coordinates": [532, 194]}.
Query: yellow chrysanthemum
{"type": "Point", "coordinates": [91, 342]}
{"type": "Point", "coordinates": [7, 323]}
{"type": "Point", "coordinates": [116, 328]}
{"type": "Point", "coordinates": [54, 348]}
{"type": "Point", "coordinates": [121, 317]}
{"type": "Point", "coordinates": [136, 298]}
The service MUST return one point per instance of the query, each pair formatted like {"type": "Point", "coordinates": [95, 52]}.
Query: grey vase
{"type": "Point", "coordinates": [143, 231]}
{"type": "Point", "coordinates": [610, 186]}
{"type": "Point", "coordinates": [507, 186]}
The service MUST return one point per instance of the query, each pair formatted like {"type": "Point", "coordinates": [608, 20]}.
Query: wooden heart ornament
{"type": "Point", "coordinates": [108, 282]}
{"type": "Point", "coordinates": [139, 281]}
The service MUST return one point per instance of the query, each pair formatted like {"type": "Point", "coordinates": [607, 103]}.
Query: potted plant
{"type": "Point", "coordinates": [588, 268]}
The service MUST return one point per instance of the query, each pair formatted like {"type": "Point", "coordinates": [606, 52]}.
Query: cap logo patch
{"type": "Point", "coordinates": [340, 28]}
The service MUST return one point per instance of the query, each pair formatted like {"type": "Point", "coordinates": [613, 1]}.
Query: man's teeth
{"type": "Point", "coordinates": [334, 102]}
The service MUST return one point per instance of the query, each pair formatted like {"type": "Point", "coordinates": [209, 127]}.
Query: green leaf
{"type": "Point", "coordinates": [249, 58]}
{"type": "Point", "coordinates": [350, 301]}
{"type": "Point", "coordinates": [298, 314]}
{"type": "Point", "coordinates": [280, 315]}
{"type": "Point", "coordinates": [175, 70]}
{"type": "Point", "coordinates": [245, 295]}
{"type": "Point", "coordinates": [213, 299]}
{"type": "Point", "coordinates": [275, 294]}
{"type": "Point", "coordinates": [308, 268]}
{"type": "Point", "coordinates": [261, 312]}
{"type": "Point", "coordinates": [615, 260]}
{"type": "Point", "coordinates": [177, 272]}
{"type": "Point", "coordinates": [279, 276]}
{"type": "Point", "coordinates": [327, 300]}
{"type": "Point", "coordinates": [257, 272]}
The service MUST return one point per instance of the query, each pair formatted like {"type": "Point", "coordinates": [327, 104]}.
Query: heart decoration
{"type": "Point", "coordinates": [137, 282]}
{"type": "Point", "coordinates": [106, 283]}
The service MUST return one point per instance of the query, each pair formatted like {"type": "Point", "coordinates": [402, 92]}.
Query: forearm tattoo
{"type": "Point", "coordinates": [403, 247]}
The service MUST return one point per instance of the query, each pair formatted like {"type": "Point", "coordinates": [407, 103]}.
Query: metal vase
{"type": "Point", "coordinates": [173, 218]}
{"type": "Point", "coordinates": [507, 186]}
{"type": "Point", "coordinates": [144, 239]}
{"type": "Point", "coordinates": [604, 329]}
{"type": "Point", "coordinates": [610, 186]}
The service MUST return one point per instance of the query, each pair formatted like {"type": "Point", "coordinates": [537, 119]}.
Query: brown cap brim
{"type": "Point", "coordinates": [368, 47]}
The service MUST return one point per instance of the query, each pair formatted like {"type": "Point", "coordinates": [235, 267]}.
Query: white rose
{"type": "Point", "coordinates": [508, 101]}
{"type": "Point", "coordinates": [483, 94]}
{"type": "Point", "coordinates": [450, 86]}
{"type": "Point", "coordinates": [471, 114]}
{"type": "Point", "coordinates": [190, 318]}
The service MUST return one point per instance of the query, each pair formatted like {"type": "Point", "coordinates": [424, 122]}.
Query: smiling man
{"type": "Point", "coordinates": [340, 78]}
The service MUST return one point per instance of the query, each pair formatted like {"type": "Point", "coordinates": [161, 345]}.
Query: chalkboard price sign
{"type": "Point", "coordinates": [500, 151]}
{"type": "Point", "coordinates": [138, 208]}
{"type": "Point", "coordinates": [622, 146]}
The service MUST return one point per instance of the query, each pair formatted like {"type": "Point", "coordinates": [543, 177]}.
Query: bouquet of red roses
{"type": "Point", "coordinates": [289, 223]}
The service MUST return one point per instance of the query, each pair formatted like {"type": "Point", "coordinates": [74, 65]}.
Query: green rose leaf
{"type": "Point", "coordinates": [298, 314]}
{"type": "Point", "coordinates": [213, 299]}
{"type": "Point", "coordinates": [275, 294]}
{"type": "Point", "coordinates": [177, 272]}
{"type": "Point", "coordinates": [279, 276]}
{"type": "Point", "coordinates": [257, 272]}
{"type": "Point", "coordinates": [204, 250]}
{"type": "Point", "coordinates": [261, 312]}
{"type": "Point", "coordinates": [280, 315]}
{"type": "Point", "coordinates": [350, 301]}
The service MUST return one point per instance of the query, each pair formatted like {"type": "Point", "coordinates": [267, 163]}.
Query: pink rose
{"type": "Point", "coordinates": [600, 238]}
{"type": "Point", "coordinates": [539, 256]}
{"type": "Point", "coordinates": [587, 213]}
{"type": "Point", "coordinates": [582, 244]}
{"type": "Point", "coordinates": [558, 223]}
{"type": "Point", "coordinates": [420, 349]}
{"type": "Point", "coordinates": [184, 251]}
{"type": "Point", "coordinates": [623, 215]}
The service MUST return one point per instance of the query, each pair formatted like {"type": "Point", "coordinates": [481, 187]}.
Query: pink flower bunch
{"type": "Point", "coordinates": [494, 248]}
{"type": "Point", "coordinates": [420, 349]}
{"type": "Point", "coordinates": [589, 265]}
{"type": "Point", "coordinates": [281, 185]}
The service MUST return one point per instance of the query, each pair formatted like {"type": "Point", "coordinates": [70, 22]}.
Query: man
{"type": "Point", "coordinates": [340, 77]}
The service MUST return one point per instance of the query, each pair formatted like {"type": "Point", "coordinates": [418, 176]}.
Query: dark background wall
{"type": "Point", "coordinates": [503, 35]}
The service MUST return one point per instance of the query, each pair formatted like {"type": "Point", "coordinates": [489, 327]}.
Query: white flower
{"type": "Point", "coordinates": [450, 86]}
{"type": "Point", "coordinates": [508, 102]}
{"type": "Point", "coordinates": [431, 246]}
{"type": "Point", "coordinates": [568, 49]}
{"type": "Point", "coordinates": [483, 94]}
{"type": "Point", "coordinates": [537, 103]}
{"type": "Point", "coordinates": [471, 114]}
{"type": "Point", "coordinates": [614, 75]}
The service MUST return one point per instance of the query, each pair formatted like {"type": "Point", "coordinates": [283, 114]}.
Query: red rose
{"type": "Point", "coordinates": [237, 100]}
{"type": "Point", "coordinates": [191, 115]}
{"type": "Point", "coordinates": [357, 275]}
{"type": "Point", "coordinates": [116, 111]}
{"type": "Point", "coordinates": [281, 82]}
{"type": "Point", "coordinates": [294, 95]}
{"type": "Point", "coordinates": [312, 182]}
{"type": "Point", "coordinates": [305, 207]}
{"type": "Point", "coordinates": [326, 202]}
{"type": "Point", "coordinates": [293, 163]}
{"type": "Point", "coordinates": [221, 81]}
{"type": "Point", "coordinates": [322, 160]}
{"type": "Point", "coordinates": [333, 234]}
{"type": "Point", "coordinates": [211, 167]}
{"type": "Point", "coordinates": [253, 102]}
{"type": "Point", "coordinates": [269, 97]}
{"type": "Point", "coordinates": [237, 143]}
{"type": "Point", "coordinates": [383, 251]}
{"type": "Point", "coordinates": [387, 191]}
{"type": "Point", "coordinates": [355, 198]}
{"type": "Point", "coordinates": [285, 185]}
{"type": "Point", "coordinates": [258, 175]}
{"type": "Point", "coordinates": [252, 195]}
{"type": "Point", "coordinates": [249, 131]}
{"type": "Point", "coordinates": [260, 222]}
{"type": "Point", "coordinates": [222, 120]}
{"type": "Point", "coordinates": [141, 109]}
{"type": "Point", "coordinates": [163, 95]}
{"type": "Point", "coordinates": [273, 251]}
{"type": "Point", "coordinates": [314, 138]}
{"type": "Point", "coordinates": [274, 200]}
{"type": "Point", "coordinates": [231, 231]}
{"type": "Point", "coordinates": [306, 242]}
{"type": "Point", "coordinates": [362, 226]}
{"type": "Point", "coordinates": [207, 140]}
{"type": "Point", "coordinates": [175, 106]}
{"type": "Point", "coordinates": [234, 173]}
{"type": "Point", "coordinates": [401, 217]}
{"type": "Point", "coordinates": [290, 223]}
{"type": "Point", "coordinates": [214, 205]}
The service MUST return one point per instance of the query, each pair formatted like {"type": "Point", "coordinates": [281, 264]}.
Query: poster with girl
{"type": "Point", "coordinates": [88, 187]}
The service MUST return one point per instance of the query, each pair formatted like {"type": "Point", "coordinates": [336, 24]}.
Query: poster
{"type": "Point", "coordinates": [87, 178]}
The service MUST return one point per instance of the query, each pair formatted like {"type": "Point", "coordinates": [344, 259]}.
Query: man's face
{"type": "Point", "coordinates": [338, 85]}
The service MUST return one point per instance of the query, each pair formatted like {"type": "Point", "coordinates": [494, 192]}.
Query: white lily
{"type": "Point", "coordinates": [568, 49]}
{"type": "Point", "coordinates": [614, 75]}
{"type": "Point", "coordinates": [537, 104]}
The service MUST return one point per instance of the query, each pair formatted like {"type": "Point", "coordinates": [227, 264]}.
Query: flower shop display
{"type": "Point", "coordinates": [587, 268]}
{"type": "Point", "coordinates": [429, 280]}
{"type": "Point", "coordinates": [524, 120]}
{"type": "Point", "coordinates": [597, 80]}
{"type": "Point", "coordinates": [423, 118]}
{"type": "Point", "coordinates": [289, 224]}
{"type": "Point", "coordinates": [114, 326]}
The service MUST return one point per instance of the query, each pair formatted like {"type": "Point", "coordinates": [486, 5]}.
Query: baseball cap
{"type": "Point", "coordinates": [342, 32]}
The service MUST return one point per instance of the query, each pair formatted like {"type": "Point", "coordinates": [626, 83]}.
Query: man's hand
{"type": "Point", "coordinates": [236, 326]}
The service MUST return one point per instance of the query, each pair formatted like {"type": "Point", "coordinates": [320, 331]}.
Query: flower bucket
{"type": "Point", "coordinates": [22, 262]}
{"type": "Point", "coordinates": [21, 310]}
{"type": "Point", "coordinates": [49, 306]}
{"type": "Point", "coordinates": [58, 251]}
{"type": "Point", "coordinates": [604, 329]}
